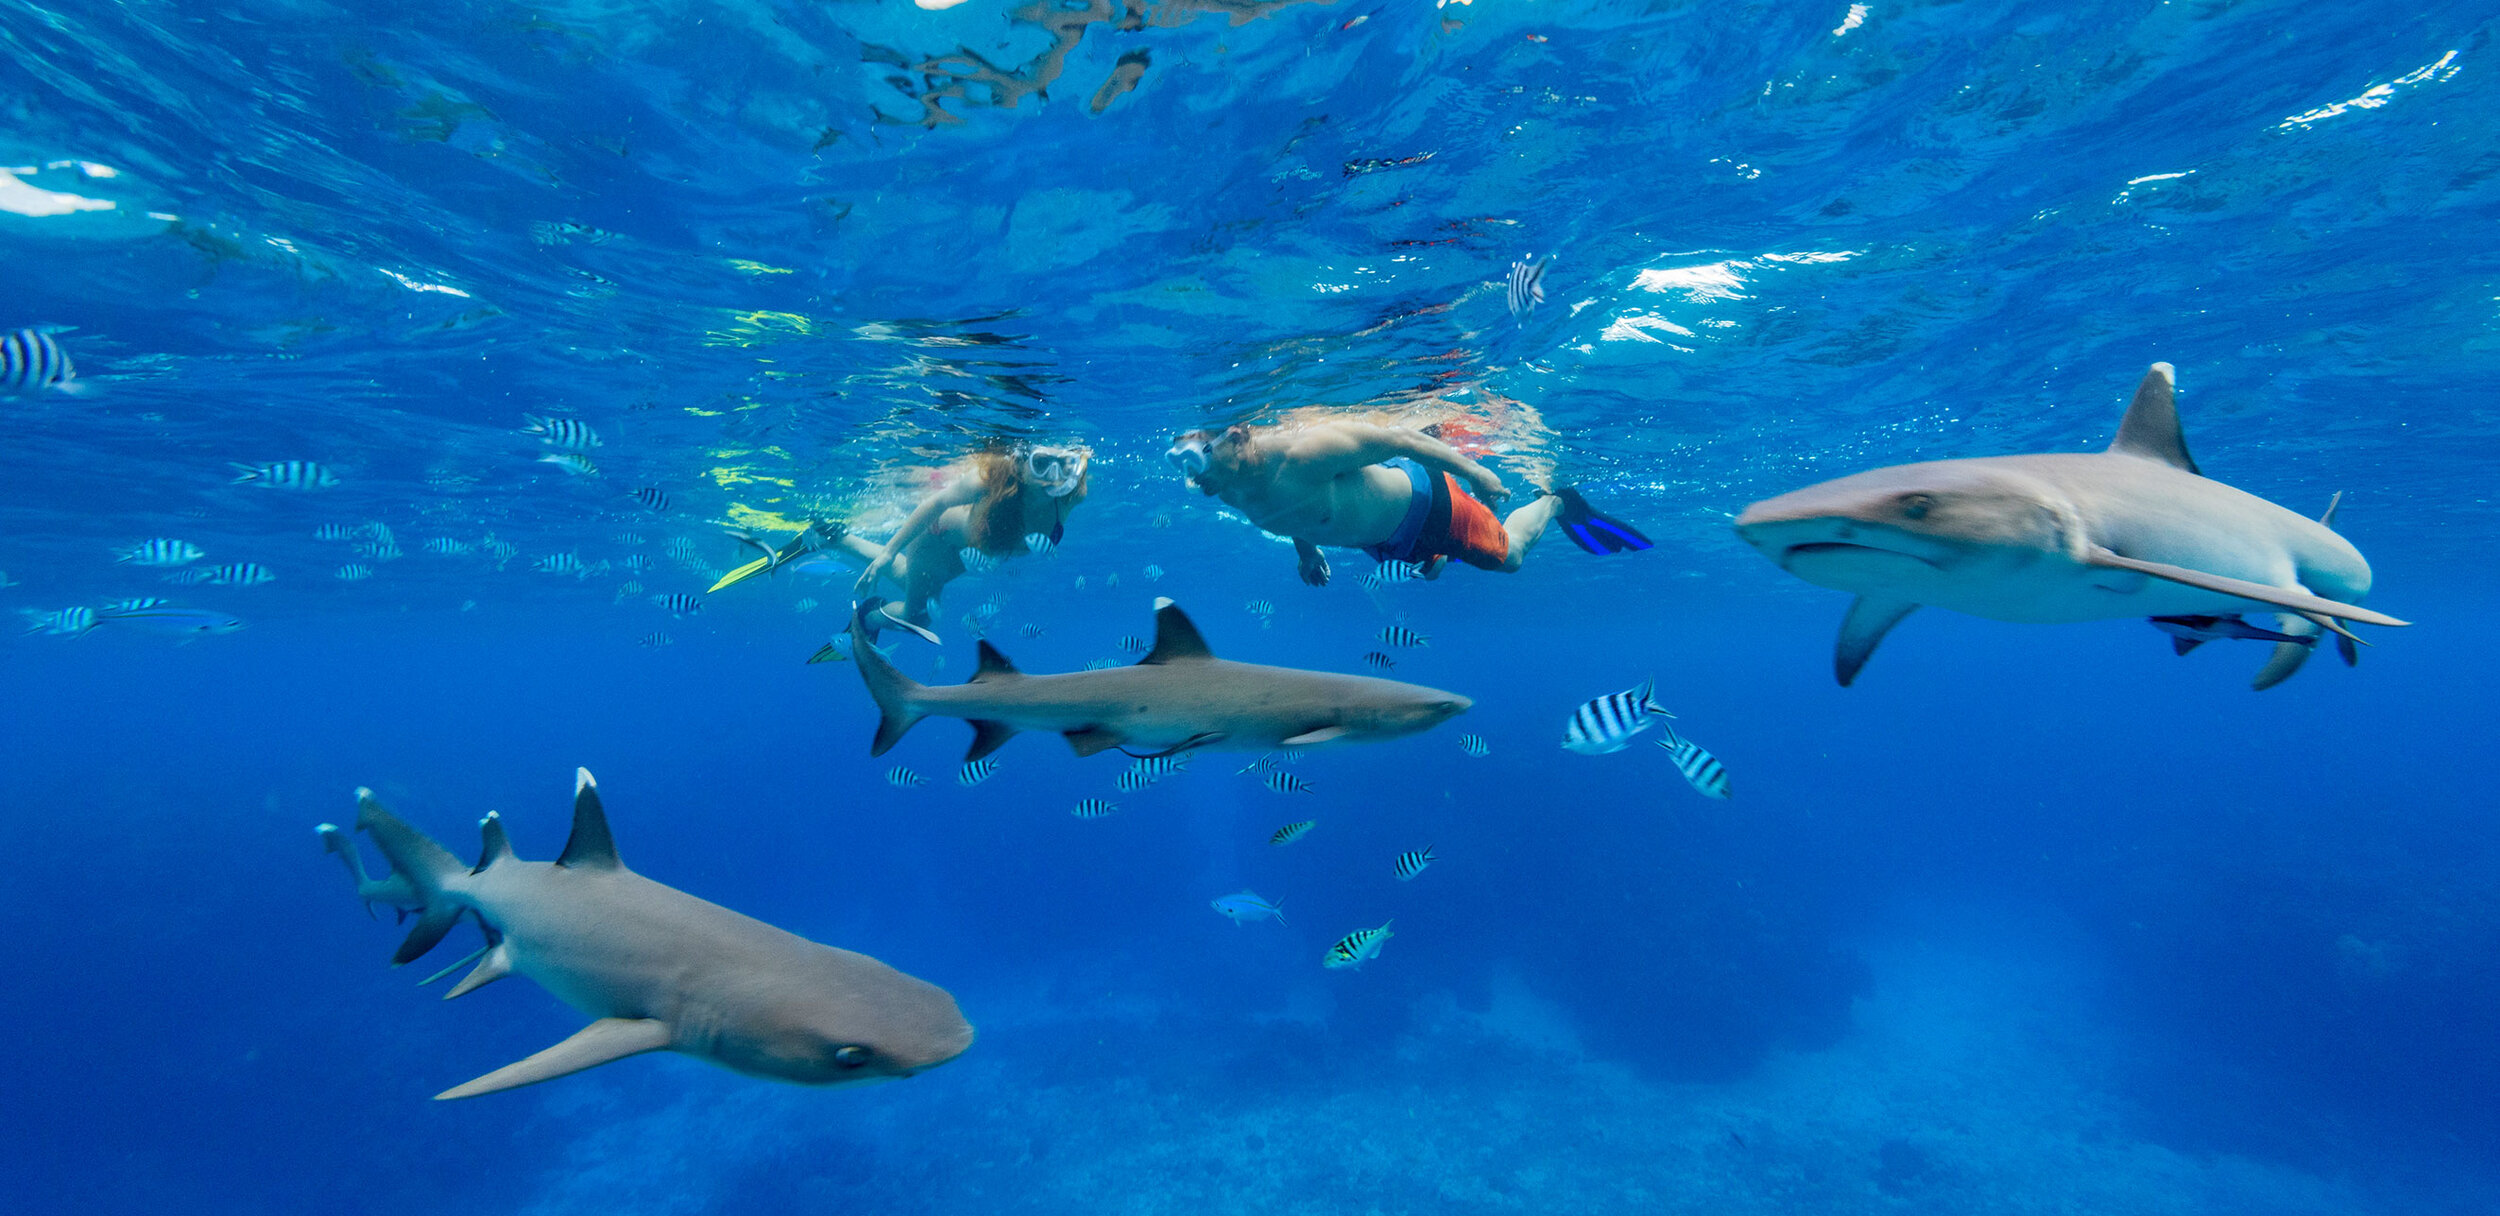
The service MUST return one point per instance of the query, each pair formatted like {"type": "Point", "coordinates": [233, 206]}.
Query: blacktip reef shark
{"type": "Point", "coordinates": [1179, 697]}
{"type": "Point", "coordinates": [2135, 530]}
{"type": "Point", "coordinates": [659, 969]}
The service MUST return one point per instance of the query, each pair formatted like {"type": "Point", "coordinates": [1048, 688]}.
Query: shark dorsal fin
{"type": "Point", "coordinates": [2151, 427]}
{"type": "Point", "coordinates": [494, 844]}
{"type": "Point", "coordinates": [2328, 519]}
{"type": "Point", "coordinates": [590, 847]}
{"type": "Point", "coordinates": [993, 665]}
{"type": "Point", "coordinates": [1176, 640]}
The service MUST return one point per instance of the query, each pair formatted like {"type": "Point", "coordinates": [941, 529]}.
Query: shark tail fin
{"type": "Point", "coordinates": [429, 869]}
{"type": "Point", "coordinates": [893, 691]}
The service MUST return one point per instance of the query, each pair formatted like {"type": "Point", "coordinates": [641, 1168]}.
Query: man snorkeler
{"type": "Point", "coordinates": [1392, 492]}
{"type": "Point", "coordinates": [990, 502]}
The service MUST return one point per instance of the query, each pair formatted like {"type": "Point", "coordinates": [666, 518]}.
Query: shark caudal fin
{"type": "Point", "coordinates": [428, 868]}
{"type": "Point", "coordinates": [392, 889]}
{"type": "Point", "coordinates": [893, 691]}
{"type": "Point", "coordinates": [1593, 532]}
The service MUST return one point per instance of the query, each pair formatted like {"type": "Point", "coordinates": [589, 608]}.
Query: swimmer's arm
{"type": "Point", "coordinates": [1346, 446]}
{"type": "Point", "coordinates": [964, 489]}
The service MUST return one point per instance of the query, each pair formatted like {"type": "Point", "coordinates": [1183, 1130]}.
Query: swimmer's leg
{"type": "Point", "coordinates": [1525, 526]}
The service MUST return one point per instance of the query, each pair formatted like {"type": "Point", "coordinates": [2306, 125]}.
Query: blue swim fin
{"type": "Point", "coordinates": [1592, 531]}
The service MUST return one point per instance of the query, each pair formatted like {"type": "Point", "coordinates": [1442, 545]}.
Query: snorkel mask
{"type": "Point", "coordinates": [1191, 454]}
{"type": "Point", "coordinates": [1058, 471]}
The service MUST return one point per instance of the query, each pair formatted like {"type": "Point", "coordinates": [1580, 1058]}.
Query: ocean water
{"type": "Point", "coordinates": [2032, 919]}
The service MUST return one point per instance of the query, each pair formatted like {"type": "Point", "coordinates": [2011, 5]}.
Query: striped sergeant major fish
{"type": "Point", "coordinates": [1154, 574]}
{"type": "Point", "coordinates": [571, 434]}
{"type": "Point", "coordinates": [651, 496]}
{"type": "Point", "coordinates": [381, 549]}
{"type": "Point", "coordinates": [444, 546]}
{"type": "Point", "coordinates": [627, 590]}
{"type": "Point", "coordinates": [678, 603]}
{"type": "Point", "coordinates": [629, 538]}
{"type": "Point", "coordinates": [1134, 644]}
{"type": "Point", "coordinates": [637, 565]}
{"type": "Point", "coordinates": [1029, 630]}
{"type": "Point", "coordinates": [1400, 635]}
{"type": "Point", "coordinates": [1475, 746]}
{"type": "Point", "coordinates": [334, 532]}
{"type": "Point", "coordinates": [161, 551]}
{"type": "Point", "coordinates": [133, 604]}
{"type": "Point", "coordinates": [1527, 284]}
{"type": "Point", "coordinates": [233, 574]}
{"type": "Point", "coordinates": [1247, 906]}
{"type": "Point", "coordinates": [65, 622]}
{"type": "Point", "coordinates": [571, 462]}
{"type": "Point", "coordinates": [655, 640]}
{"type": "Point", "coordinates": [974, 772]}
{"type": "Point", "coordinates": [1392, 572]}
{"type": "Point", "coordinates": [31, 360]}
{"type": "Point", "coordinates": [1101, 664]}
{"type": "Point", "coordinates": [284, 475]}
{"type": "Point", "coordinates": [1412, 863]}
{"type": "Point", "coordinates": [1358, 947]}
{"type": "Point", "coordinates": [1040, 543]}
{"type": "Point", "coordinates": [902, 778]}
{"type": "Point", "coordinates": [805, 605]}
{"type": "Point", "coordinates": [1292, 832]}
{"type": "Point", "coordinates": [1147, 770]}
{"type": "Point", "coordinates": [1286, 783]}
{"type": "Point", "coordinates": [1701, 769]}
{"type": "Point", "coordinates": [1094, 808]}
{"type": "Point", "coordinates": [561, 563]}
{"type": "Point", "coordinates": [1378, 661]}
{"type": "Point", "coordinates": [682, 549]}
{"type": "Point", "coordinates": [1261, 609]}
{"type": "Point", "coordinates": [975, 561]}
{"type": "Point", "coordinates": [354, 573]}
{"type": "Point", "coordinates": [1608, 723]}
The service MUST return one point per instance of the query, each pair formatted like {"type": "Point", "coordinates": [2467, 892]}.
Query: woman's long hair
{"type": "Point", "coordinates": [997, 523]}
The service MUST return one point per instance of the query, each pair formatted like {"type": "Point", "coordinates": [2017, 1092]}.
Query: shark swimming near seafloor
{"type": "Point", "coordinates": [1179, 697]}
{"type": "Point", "coordinates": [659, 969]}
{"type": "Point", "coordinates": [2135, 530]}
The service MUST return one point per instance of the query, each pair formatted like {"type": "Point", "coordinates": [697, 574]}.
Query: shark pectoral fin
{"type": "Point", "coordinates": [1325, 734]}
{"type": "Point", "coordinates": [2299, 632]}
{"type": "Point", "coordinates": [496, 965]}
{"type": "Point", "coordinates": [742, 573]}
{"type": "Point", "coordinates": [2179, 645]}
{"type": "Point", "coordinates": [1092, 739]}
{"type": "Point", "coordinates": [2288, 598]}
{"type": "Point", "coordinates": [437, 920]}
{"type": "Point", "coordinates": [596, 1044]}
{"type": "Point", "coordinates": [1868, 621]}
{"type": "Point", "coordinates": [2351, 653]}
{"type": "Point", "coordinates": [988, 735]}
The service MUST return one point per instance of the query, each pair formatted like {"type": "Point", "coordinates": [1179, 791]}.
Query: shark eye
{"type": "Point", "coordinates": [853, 1056]}
{"type": "Point", "coordinates": [1916, 506]}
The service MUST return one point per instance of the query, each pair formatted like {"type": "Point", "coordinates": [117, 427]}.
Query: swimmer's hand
{"type": "Point", "coordinates": [1314, 564]}
{"type": "Point", "coordinates": [868, 578]}
{"type": "Point", "coordinates": [1490, 488]}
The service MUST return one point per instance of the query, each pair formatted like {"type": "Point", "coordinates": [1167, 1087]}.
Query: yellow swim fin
{"type": "Point", "coordinates": [742, 573]}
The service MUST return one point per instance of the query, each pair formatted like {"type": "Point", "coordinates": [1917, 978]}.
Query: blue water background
{"type": "Point", "coordinates": [2033, 919]}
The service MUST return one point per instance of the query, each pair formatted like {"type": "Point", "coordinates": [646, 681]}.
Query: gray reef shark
{"type": "Point", "coordinates": [1179, 697]}
{"type": "Point", "coordinates": [2134, 530]}
{"type": "Point", "coordinates": [659, 969]}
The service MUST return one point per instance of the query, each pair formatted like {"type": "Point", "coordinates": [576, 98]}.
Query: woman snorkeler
{"type": "Point", "coordinates": [990, 503]}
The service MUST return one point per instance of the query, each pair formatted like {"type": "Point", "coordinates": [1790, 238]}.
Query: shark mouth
{"type": "Point", "coordinates": [1815, 549]}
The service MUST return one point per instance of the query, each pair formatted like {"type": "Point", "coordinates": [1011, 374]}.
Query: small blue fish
{"type": "Point", "coordinates": [1094, 808]}
{"type": "Point", "coordinates": [570, 434]}
{"type": "Point", "coordinates": [571, 462]}
{"type": "Point", "coordinates": [334, 532]}
{"type": "Point", "coordinates": [1029, 630]}
{"type": "Point", "coordinates": [651, 496]}
{"type": "Point", "coordinates": [1247, 906]}
{"type": "Point", "coordinates": [678, 603]}
{"type": "Point", "coordinates": [132, 604]}
{"type": "Point", "coordinates": [353, 573]}
{"type": "Point", "coordinates": [1400, 635]}
{"type": "Point", "coordinates": [975, 561]}
{"type": "Point", "coordinates": [1392, 572]}
{"type": "Point", "coordinates": [1134, 644]}
{"type": "Point", "coordinates": [1101, 664]}
{"type": "Point", "coordinates": [1147, 770]}
{"type": "Point", "coordinates": [974, 772]}
{"type": "Point", "coordinates": [653, 641]}
{"type": "Point", "coordinates": [1286, 783]}
{"type": "Point", "coordinates": [561, 563]}
{"type": "Point", "coordinates": [1260, 608]}
{"type": "Point", "coordinates": [179, 622]}
{"type": "Point", "coordinates": [444, 546]}
{"type": "Point", "coordinates": [1475, 745]}
{"type": "Point", "coordinates": [902, 778]}
{"type": "Point", "coordinates": [1154, 574]}
{"type": "Point", "coordinates": [1040, 543]}
{"type": "Point", "coordinates": [1378, 661]}
{"type": "Point", "coordinates": [804, 606]}
{"type": "Point", "coordinates": [233, 574]}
